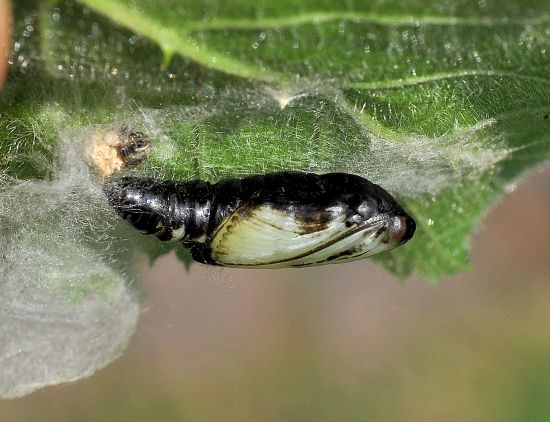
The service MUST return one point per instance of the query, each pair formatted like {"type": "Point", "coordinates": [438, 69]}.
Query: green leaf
{"type": "Point", "coordinates": [442, 103]}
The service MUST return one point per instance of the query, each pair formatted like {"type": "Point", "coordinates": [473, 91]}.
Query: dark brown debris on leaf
{"type": "Point", "coordinates": [109, 151]}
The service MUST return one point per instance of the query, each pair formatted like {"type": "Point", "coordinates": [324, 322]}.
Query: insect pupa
{"type": "Point", "coordinates": [274, 220]}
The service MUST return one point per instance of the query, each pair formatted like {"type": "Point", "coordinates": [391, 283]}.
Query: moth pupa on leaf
{"type": "Point", "coordinates": [274, 220]}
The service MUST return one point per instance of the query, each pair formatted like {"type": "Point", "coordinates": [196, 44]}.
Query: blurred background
{"type": "Point", "coordinates": [344, 342]}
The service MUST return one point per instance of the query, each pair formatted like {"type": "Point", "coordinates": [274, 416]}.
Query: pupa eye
{"type": "Point", "coordinates": [274, 220]}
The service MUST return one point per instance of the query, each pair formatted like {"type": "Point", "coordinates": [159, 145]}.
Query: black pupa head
{"type": "Point", "coordinates": [371, 201]}
{"type": "Point", "coordinates": [403, 228]}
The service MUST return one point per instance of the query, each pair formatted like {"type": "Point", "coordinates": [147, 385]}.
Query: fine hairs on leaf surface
{"type": "Point", "coordinates": [441, 103]}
